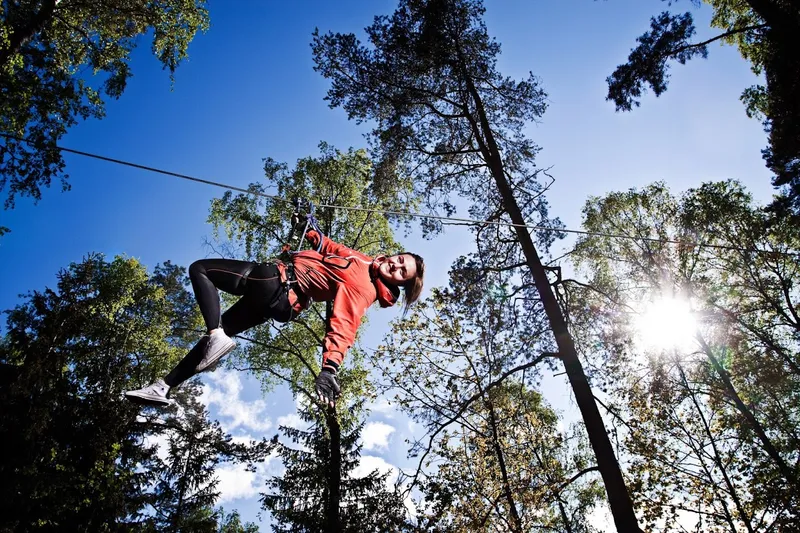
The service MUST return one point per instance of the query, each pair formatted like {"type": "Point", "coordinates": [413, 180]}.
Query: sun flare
{"type": "Point", "coordinates": [665, 324]}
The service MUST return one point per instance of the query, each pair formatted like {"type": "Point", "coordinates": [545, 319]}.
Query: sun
{"type": "Point", "coordinates": [665, 324]}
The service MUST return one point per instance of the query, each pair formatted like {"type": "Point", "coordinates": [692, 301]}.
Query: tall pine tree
{"type": "Point", "coordinates": [290, 354]}
{"type": "Point", "coordinates": [77, 456]}
{"type": "Point", "coordinates": [446, 118]}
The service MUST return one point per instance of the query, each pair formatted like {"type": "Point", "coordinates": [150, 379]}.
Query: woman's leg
{"type": "Point", "coordinates": [210, 275]}
{"type": "Point", "coordinates": [264, 297]}
{"type": "Point", "coordinates": [238, 318]}
{"type": "Point", "coordinates": [262, 289]}
{"type": "Point", "coordinates": [266, 294]}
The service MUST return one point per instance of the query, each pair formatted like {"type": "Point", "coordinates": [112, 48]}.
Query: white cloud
{"type": "Point", "coordinates": [376, 435]}
{"type": "Point", "coordinates": [411, 507]}
{"type": "Point", "coordinates": [383, 407]}
{"type": "Point", "coordinates": [223, 391]}
{"type": "Point", "coordinates": [292, 420]}
{"type": "Point", "coordinates": [243, 439]}
{"type": "Point", "coordinates": [235, 482]}
{"type": "Point", "coordinates": [369, 463]}
{"type": "Point", "coordinates": [600, 518]}
{"type": "Point", "coordinates": [161, 440]}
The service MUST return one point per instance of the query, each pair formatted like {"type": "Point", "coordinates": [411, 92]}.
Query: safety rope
{"type": "Point", "coordinates": [469, 221]}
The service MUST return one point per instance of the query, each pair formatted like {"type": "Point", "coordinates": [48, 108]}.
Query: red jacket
{"type": "Point", "coordinates": [340, 274]}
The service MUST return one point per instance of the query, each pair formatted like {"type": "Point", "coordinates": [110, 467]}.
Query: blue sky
{"type": "Point", "coordinates": [248, 91]}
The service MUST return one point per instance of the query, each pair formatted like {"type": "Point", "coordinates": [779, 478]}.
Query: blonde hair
{"type": "Point", "coordinates": [413, 287]}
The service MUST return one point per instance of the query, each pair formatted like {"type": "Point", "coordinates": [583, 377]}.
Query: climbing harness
{"type": "Point", "coordinates": [311, 222]}
{"type": "Point", "coordinates": [287, 252]}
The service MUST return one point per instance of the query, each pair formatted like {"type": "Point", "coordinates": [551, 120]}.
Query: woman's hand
{"type": "Point", "coordinates": [327, 385]}
{"type": "Point", "coordinates": [299, 222]}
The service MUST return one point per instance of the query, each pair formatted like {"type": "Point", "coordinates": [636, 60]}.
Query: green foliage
{"type": "Point", "coordinates": [710, 427]}
{"type": "Point", "coordinates": [232, 523]}
{"type": "Point", "coordinates": [298, 500]}
{"type": "Point", "coordinates": [492, 456]}
{"type": "Point", "coordinates": [72, 444]}
{"type": "Point", "coordinates": [58, 60]}
{"type": "Point", "coordinates": [764, 33]}
{"type": "Point", "coordinates": [668, 38]}
{"type": "Point", "coordinates": [78, 457]}
{"type": "Point", "coordinates": [426, 77]}
{"type": "Point", "coordinates": [510, 438]}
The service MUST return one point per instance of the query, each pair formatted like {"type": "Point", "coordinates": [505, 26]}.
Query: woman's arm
{"type": "Point", "coordinates": [349, 307]}
{"type": "Point", "coordinates": [331, 247]}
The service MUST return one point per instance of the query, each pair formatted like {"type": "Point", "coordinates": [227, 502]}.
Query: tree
{"type": "Point", "coordinates": [298, 500]}
{"type": "Point", "coordinates": [711, 423]}
{"type": "Point", "coordinates": [465, 492]}
{"type": "Point", "coordinates": [78, 457]}
{"type": "Point", "coordinates": [446, 118]}
{"type": "Point", "coordinates": [764, 31]}
{"type": "Point", "coordinates": [186, 489]}
{"type": "Point", "coordinates": [232, 523]}
{"type": "Point", "coordinates": [290, 354]}
{"type": "Point", "coordinates": [491, 457]}
{"type": "Point", "coordinates": [50, 53]}
{"type": "Point", "coordinates": [73, 457]}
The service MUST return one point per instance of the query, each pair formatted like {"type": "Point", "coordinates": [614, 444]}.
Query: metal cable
{"type": "Point", "coordinates": [468, 221]}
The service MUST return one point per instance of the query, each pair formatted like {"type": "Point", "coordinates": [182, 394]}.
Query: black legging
{"type": "Point", "coordinates": [263, 296]}
{"type": "Point", "coordinates": [258, 284]}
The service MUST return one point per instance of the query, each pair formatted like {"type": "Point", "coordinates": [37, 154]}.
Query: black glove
{"type": "Point", "coordinates": [327, 385]}
{"type": "Point", "coordinates": [299, 222]}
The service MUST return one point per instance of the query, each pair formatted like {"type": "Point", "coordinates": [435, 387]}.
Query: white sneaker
{"type": "Point", "coordinates": [218, 346]}
{"type": "Point", "coordinates": [155, 393]}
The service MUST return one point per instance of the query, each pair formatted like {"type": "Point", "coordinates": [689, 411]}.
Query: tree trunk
{"type": "Point", "coordinates": [332, 522]}
{"type": "Point", "coordinates": [176, 519]}
{"type": "Point", "coordinates": [564, 516]}
{"type": "Point", "coordinates": [501, 461]}
{"type": "Point", "coordinates": [716, 457]}
{"type": "Point", "coordinates": [772, 14]}
{"type": "Point", "coordinates": [618, 497]}
{"type": "Point", "coordinates": [26, 32]}
{"type": "Point", "coordinates": [748, 415]}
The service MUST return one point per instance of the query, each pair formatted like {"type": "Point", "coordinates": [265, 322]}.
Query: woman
{"type": "Point", "coordinates": [352, 280]}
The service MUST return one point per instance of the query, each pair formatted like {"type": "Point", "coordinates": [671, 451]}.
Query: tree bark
{"type": "Point", "coordinates": [618, 497]}
{"type": "Point", "coordinates": [501, 461]}
{"type": "Point", "coordinates": [176, 519]}
{"type": "Point", "coordinates": [776, 18]}
{"type": "Point", "coordinates": [748, 415]}
{"type": "Point", "coordinates": [564, 517]}
{"type": "Point", "coordinates": [333, 523]}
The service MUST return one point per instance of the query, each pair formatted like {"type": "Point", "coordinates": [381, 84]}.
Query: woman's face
{"type": "Point", "coordinates": [397, 269]}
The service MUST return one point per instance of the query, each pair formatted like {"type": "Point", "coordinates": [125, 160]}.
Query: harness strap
{"type": "Point", "coordinates": [291, 282]}
{"type": "Point", "coordinates": [247, 272]}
